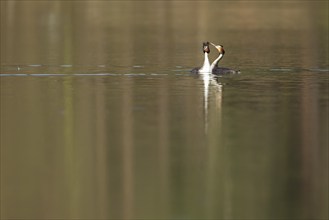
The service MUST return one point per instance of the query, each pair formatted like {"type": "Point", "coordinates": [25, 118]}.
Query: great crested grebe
{"type": "Point", "coordinates": [206, 64]}
{"type": "Point", "coordinates": [215, 69]}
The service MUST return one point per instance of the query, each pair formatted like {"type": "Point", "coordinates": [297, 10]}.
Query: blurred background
{"type": "Point", "coordinates": [100, 118]}
{"type": "Point", "coordinates": [161, 33]}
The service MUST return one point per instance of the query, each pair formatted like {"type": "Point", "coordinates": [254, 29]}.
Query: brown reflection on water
{"type": "Point", "coordinates": [314, 152]}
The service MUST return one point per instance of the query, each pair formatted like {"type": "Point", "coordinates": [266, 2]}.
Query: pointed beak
{"type": "Point", "coordinates": [213, 44]}
{"type": "Point", "coordinates": [219, 48]}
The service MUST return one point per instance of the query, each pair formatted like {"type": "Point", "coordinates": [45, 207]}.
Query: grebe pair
{"type": "Point", "coordinates": [213, 67]}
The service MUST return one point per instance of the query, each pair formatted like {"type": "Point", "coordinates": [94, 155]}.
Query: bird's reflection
{"type": "Point", "coordinates": [212, 85]}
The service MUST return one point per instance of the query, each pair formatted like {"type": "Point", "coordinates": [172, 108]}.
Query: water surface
{"type": "Point", "coordinates": [101, 119]}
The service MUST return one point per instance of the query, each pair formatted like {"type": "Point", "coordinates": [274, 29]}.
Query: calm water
{"type": "Point", "coordinates": [100, 118]}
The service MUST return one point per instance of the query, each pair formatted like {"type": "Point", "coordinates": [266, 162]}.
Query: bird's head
{"type": "Point", "coordinates": [220, 48]}
{"type": "Point", "coordinates": [205, 47]}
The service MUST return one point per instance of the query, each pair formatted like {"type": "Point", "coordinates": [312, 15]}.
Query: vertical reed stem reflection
{"type": "Point", "coordinates": [101, 156]}
{"type": "Point", "coordinates": [163, 152]}
{"type": "Point", "coordinates": [128, 150]}
{"type": "Point", "coordinates": [69, 150]}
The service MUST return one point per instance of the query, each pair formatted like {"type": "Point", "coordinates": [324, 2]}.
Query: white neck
{"type": "Point", "coordinates": [215, 63]}
{"type": "Point", "coordinates": [206, 65]}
